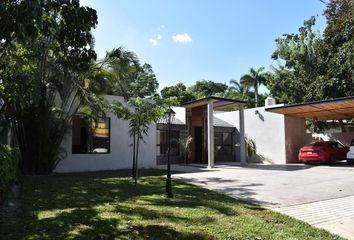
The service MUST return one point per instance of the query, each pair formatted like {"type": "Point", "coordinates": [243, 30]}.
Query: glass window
{"type": "Point", "coordinates": [227, 138]}
{"type": "Point", "coordinates": [223, 146]}
{"type": "Point", "coordinates": [90, 136]}
{"type": "Point", "coordinates": [339, 145]}
{"type": "Point", "coordinates": [162, 143]}
{"type": "Point", "coordinates": [217, 139]}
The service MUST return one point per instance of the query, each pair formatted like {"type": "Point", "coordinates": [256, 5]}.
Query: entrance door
{"type": "Point", "coordinates": [198, 144]}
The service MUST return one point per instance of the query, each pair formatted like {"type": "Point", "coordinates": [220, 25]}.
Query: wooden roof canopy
{"type": "Point", "coordinates": [333, 109]}
{"type": "Point", "coordinates": [218, 102]}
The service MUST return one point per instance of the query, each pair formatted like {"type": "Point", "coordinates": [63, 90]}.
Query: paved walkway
{"type": "Point", "coordinates": [335, 215]}
{"type": "Point", "coordinates": [323, 196]}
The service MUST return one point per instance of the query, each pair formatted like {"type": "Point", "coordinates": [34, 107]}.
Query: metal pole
{"type": "Point", "coordinates": [168, 180]}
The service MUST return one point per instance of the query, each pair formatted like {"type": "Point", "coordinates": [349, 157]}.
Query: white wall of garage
{"type": "Point", "coordinates": [278, 138]}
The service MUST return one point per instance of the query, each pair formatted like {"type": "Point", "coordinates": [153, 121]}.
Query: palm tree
{"type": "Point", "coordinates": [238, 87]}
{"type": "Point", "coordinates": [254, 79]}
{"type": "Point", "coordinates": [114, 73]}
{"type": "Point", "coordinates": [125, 65]}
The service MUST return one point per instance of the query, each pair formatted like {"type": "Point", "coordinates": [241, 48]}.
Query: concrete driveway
{"type": "Point", "coordinates": [320, 195]}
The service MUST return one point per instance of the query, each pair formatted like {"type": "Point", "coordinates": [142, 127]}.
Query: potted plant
{"type": "Point", "coordinates": [185, 144]}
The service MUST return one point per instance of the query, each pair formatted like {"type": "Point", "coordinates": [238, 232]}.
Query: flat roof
{"type": "Point", "coordinates": [220, 103]}
{"type": "Point", "coordinates": [331, 109]}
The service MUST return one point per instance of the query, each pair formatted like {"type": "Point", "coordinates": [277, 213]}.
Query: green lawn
{"type": "Point", "coordinates": [107, 205]}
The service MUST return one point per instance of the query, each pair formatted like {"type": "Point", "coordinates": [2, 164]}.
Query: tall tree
{"type": "Point", "coordinates": [40, 70]}
{"type": "Point", "coordinates": [140, 113]}
{"type": "Point", "coordinates": [145, 84]}
{"type": "Point", "coordinates": [120, 73]}
{"type": "Point", "coordinates": [240, 91]}
{"type": "Point", "coordinates": [236, 86]}
{"type": "Point", "coordinates": [337, 49]}
{"type": "Point", "coordinates": [312, 67]}
{"type": "Point", "coordinates": [300, 66]}
{"type": "Point", "coordinates": [254, 79]}
{"type": "Point", "coordinates": [122, 66]}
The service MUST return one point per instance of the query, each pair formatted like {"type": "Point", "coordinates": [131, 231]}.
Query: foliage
{"type": "Point", "coordinates": [106, 205]}
{"type": "Point", "coordinates": [121, 74]}
{"type": "Point", "coordinates": [238, 90]}
{"type": "Point", "coordinates": [9, 158]}
{"type": "Point", "coordinates": [251, 147]}
{"type": "Point", "coordinates": [145, 84]}
{"type": "Point", "coordinates": [337, 49]}
{"type": "Point", "coordinates": [254, 79]}
{"type": "Point", "coordinates": [140, 113]}
{"type": "Point", "coordinates": [185, 144]}
{"type": "Point", "coordinates": [238, 87]}
{"type": "Point", "coordinates": [15, 24]}
{"type": "Point", "coordinates": [177, 94]}
{"type": "Point", "coordinates": [40, 70]}
{"type": "Point", "coordinates": [313, 67]}
{"type": "Point", "coordinates": [206, 88]}
{"type": "Point", "coordinates": [297, 79]}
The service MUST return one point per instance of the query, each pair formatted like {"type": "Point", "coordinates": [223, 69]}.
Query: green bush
{"type": "Point", "coordinates": [9, 158]}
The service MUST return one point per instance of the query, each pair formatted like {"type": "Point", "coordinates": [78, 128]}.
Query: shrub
{"type": "Point", "coordinates": [251, 147]}
{"type": "Point", "coordinates": [9, 158]}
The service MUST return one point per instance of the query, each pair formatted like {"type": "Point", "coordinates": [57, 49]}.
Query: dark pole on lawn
{"type": "Point", "coordinates": [170, 113]}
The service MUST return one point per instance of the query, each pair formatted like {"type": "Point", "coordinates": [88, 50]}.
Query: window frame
{"type": "Point", "coordinates": [90, 132]}
{"type": "Point", "coordinates": [177, 145]}
{"type": "Point", "coordinates": [223, 144]}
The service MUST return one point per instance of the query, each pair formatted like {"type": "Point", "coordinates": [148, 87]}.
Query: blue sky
{"type": "Point", "coordinates": [190, 40]}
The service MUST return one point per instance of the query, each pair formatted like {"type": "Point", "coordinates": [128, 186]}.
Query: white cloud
{"type": "Point", "coordinates": [155, 41]}
{"type": "Point", "coordinates": [182, 38]}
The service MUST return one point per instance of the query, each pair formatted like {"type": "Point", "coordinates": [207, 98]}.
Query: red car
{"type": "Point", "coordinates": [327, 151]}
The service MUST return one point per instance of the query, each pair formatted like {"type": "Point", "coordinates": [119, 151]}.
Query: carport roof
{"type": "Point", "coordinates": [332, 109]}
{"type": "Point", "coordinates": [219, 103]}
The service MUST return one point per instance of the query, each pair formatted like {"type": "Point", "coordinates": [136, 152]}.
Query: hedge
{"type": "Point", "coordinates": [9, 158]}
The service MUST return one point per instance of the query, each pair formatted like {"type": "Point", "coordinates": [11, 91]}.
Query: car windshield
{"type": "Point", "coordinates": [316, 144]}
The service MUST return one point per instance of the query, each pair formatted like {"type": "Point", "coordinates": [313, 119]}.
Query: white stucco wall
{"type": "Point", "coordinates": [278, 138]}
{"type": "Point", "coordinates": [180, 114]}
{"type": "Point", "coordinates": [295, 137]}
{"type": "Point", "coordinates": [120, 156]}
{"type": "Point", "coordinates": [265, 128]}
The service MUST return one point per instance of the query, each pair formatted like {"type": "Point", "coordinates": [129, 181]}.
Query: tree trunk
{"type": "Point", "coordinates": [136, 158]}
{"type": "Point", "coordinates": [134, 144]}
{"type": "Point", "coordinates": [256, 94]}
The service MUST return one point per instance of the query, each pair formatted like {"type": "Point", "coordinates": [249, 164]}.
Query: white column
{"type": "Point", "coordinates": [210, 135]}
{"type": "Point", "coordinates": [242, 136]}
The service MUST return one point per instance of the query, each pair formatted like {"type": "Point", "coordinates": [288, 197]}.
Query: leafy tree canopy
{"type": "Point", "coordinates": [120, 73]}
{"type": "Point", "coordinates": [314, 67]}
{"type": "Point", "coordinates": [177, 94]}
{"type": "Point", "coordinates": [40, 67]}
{"type": "Point", "coordinates": [295, 77]}
{"type": "Point", "coordinates": [205, 88]}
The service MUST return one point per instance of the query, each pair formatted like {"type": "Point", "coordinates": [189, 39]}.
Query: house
{"type": "Point", "coordinates": [218, 135]}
